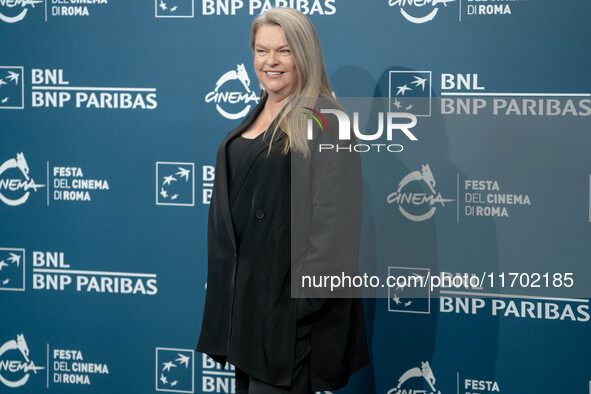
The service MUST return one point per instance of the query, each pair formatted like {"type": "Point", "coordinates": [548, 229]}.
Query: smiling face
{"type": "Point", "coordinates": [274, 63]}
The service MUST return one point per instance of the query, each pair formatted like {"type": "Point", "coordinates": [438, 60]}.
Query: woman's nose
{"type": "Point", "coordinates": [272, 58]}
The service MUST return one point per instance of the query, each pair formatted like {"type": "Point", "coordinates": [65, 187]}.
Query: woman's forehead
{"type": "Point", "coordinates": [270, 35]}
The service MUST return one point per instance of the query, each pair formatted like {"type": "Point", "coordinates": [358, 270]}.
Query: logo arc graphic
{"type": "Point", "coordinates": [318, 115]}
{"type": "Point", "coordinates": [14, 19]}
{"type": "Point", "coordinates": [427, 18]}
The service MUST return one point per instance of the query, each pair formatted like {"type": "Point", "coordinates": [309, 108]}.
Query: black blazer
{"type": "Point", "coordinates": [254, 236]}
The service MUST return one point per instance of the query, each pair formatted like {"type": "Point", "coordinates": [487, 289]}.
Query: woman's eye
{"type": "Point", "coordinates": [285, 51]}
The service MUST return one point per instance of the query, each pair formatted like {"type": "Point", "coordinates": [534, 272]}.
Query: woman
{"type": "Point", "coordinates": [277, 202]}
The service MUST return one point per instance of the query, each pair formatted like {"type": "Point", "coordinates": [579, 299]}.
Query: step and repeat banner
{"type": "Point", "coordinates": [111, 113]}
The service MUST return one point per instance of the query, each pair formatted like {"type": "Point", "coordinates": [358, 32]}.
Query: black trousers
{"type": "Point", "coordinates": [300, 379]}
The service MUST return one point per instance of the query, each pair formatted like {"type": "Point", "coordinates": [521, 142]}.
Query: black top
{"type": "Point", "coordinates": [235, 151]}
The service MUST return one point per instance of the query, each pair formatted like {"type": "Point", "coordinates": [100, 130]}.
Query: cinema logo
{"type": "Point", "coordinates": [51, 273]}
{"type": "Point", "coordinates": [50, 89]}
{"type": "Point", "coordinates": [419, 11]}
{"type": "Point", "coordinates": [15, 184]}
{"type": "Point", "coordinates": [413, 380]}
{"type": "Point", "coordinates": [12, 11]}
{"type": "Point", "coordinates": [16, 367]}
{"type": "Point", "coordinates": [413, 203]}
{"type": "Point", "coordinates": [232, 95]}
{"type": "Point", "coordinates": [344, 130]}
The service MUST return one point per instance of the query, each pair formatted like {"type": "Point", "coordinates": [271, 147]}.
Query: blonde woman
{"type": "Point", "coordinates": [279, 207]}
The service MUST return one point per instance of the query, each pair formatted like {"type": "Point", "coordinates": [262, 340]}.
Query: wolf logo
{"type": "Point", "coordinates": [21, 345]}
{"type": "Point", "coordinates": [21, 163]}
{"type": "Point", "coordinates": [424, 372]}
{"type": "Point", "coordinates": [428, 201]}
{"type": "Point", "coordinates": [239, 74]}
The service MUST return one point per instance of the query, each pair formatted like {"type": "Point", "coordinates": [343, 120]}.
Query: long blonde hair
{"type": "Point", "coordinates": [312, 79]}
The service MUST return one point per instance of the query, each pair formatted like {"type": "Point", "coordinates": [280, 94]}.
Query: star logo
{"type": "Point", "coordinates": [420, 82]}
{"type": "Point", "coordinates": [409, 295]}
{"type": "Point", "coordinates": [183, 173]}
{"type": "Point", "coordinates": [175, 370]}
{"type": "Point", "coordinates": [12, 269]}
{"type": "Point", "coordinates": [174, 8]}
{"type": "Point", "coordinates": [168, 179]}
{"type": "Point", "coordinates": [175, 183]}
{"type": "Point", "coordinates": [11, 87]}
{"type": "Point", "coordinates": [183, 360]}
{"type": "Point", "coordinates": [167, 366]}
{"type": "Point", "coordinates": [410, 91]}
{"type": "Point", "coordinates": [402, 89]}
{"type": "Point", "coordinates": [15, 258]}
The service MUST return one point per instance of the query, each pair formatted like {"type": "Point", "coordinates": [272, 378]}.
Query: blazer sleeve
{"type": "Point", "coordinates": [331, 256]}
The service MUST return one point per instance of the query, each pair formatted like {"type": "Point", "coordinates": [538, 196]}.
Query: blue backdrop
{"type": "Point", "coordinates": [110, 116]}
